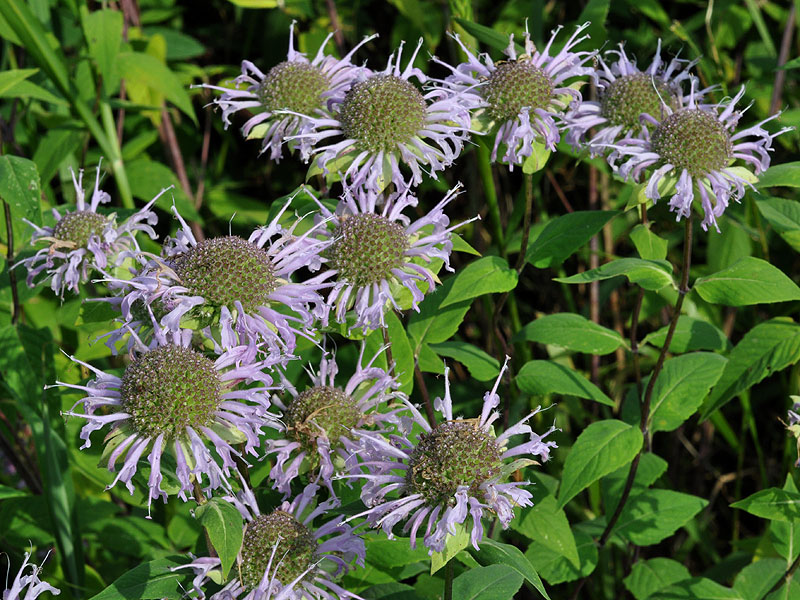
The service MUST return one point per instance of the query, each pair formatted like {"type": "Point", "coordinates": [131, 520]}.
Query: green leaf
{"type": "Point", "coordinates": [538, 158]}
{"type": "Point", "coordinates": [649, 274]}
{"type": "Point", "coordinates": [148, 178]}
{"type": "Point", "coordinates": [480, 365]}
{"type": "Point", "coordinates": [648, 244]}
{"type": "Point", "coordinates": [656, 514]}
{"type": "Point", "coordinates": [9, 492]}
{"type": "Point", "coordinates": [141, 69]}
{"type": "Point", "coordinates": [402, 353]}
{"type": "Point", "coordinates": [453, 545]}
{"type": "Point", "coordinates": [564, 235]}
{"type": "Point", "coordinates": [571, 331]}
{"type": "Point", "coordinates": [103, 32]}
{"type": "Point", "coordinates": [601, 448]}
{"type": "Point", "coordinates": [690, 334]}
{"type": "Point", "coordinates": [542, 377]}
{"type": "Point", "coordinates": [697, 588]}
{"type": "Point", "coordinates": [150, 581]}
{"type": "Point", "coordinates": [255, 3]}
{"type": "Point", "coordinates": [785, 536]}
{"type": "Point", "coordinates": [766, 348]}
{"type": "Point", "coordinates": [461, 245]}
{"type": "Point", "coordinates": [19, 186]}
{"type": "Point", "coordinates": [791, 64]}
{"type": "Point", "coordinates": [180, 46]}
{"type": "Point", "coordinates": [728, 247]}
{"type": "Point", "coordinates": [596, 13]}
{"type": "Point", "coordinates": [487, 275]}
{"type": "Point", "coordinates": [748, 281]}
{"type": "Point", "coordinates": [650, 576]}
{"type": "Point", "coordinates": [393, 553]}
{"type": "Point", "coordinates": [757, 578]}
{"type": "Point", "coordinates": [773, 504]}
{"type": "Point", "coordinates": [223, 523]}
{"type": "Point", "coordinates": [435, 323]}
{"type": "Point", "coordinates": [651, 467]}
{"type": "Point", "coordinates": [555, 568]}
{"type": "Point", "coordinates": [495, 582]}
{"type": "Point", "coordinates": [10, 78]}
{"type": "Point", "coordinates": [784, 216]}
{"type": "Point", "coordinates": [547, 524]}
{"type": "Point", "coordinates": [783, 175]}
{"type": "Point", "coordinates": [493, 553]}
{"type": "Point", "coordinates": [487, 35]}
{"type": "Point", "coordinates": [28, 89]}
{"type": "Point", "coordinates": [681, 387]}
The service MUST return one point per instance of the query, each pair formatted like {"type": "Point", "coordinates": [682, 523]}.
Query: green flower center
{"type": "Point", "coordinates": [293, 86]}
{"type": "Point", "coordinates": [77, 227]}
{"type": "Point", "coordinates": [225, 269]}
{"type": "Point", "coordinates": [693, 139]}
{"type": "Point", "coordinates": [169, 389]}
{"type": "Point", "coordinates": [294, 555]}
{"type": "Point", "coordinates": [382, 112]}
{"type": "Point", "coordinates": [455, 453]}
{"type": "Point", "coordinates": [515, 85]}
{"type": "Point", "coordinates": [367, 247]}
{"type": "Point", "coordinates": [631, 95]}
{"type": "Point", "coordinates": [321, 411]}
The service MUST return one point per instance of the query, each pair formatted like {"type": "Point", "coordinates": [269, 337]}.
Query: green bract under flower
{"type": "Point", "coordinates": [294, 555]}
{"type": "Point", "coordinates": [627, 97]}
{"type": "Point", "coordinates": [694, 140]}
{"type": "Point", "coordinates": [225, 269]}
{"type": "Point", "coordinates": [515, 85]}
{"type": "Point", "coordinates": [77, 227]}
{"type": "Point", "coordinates": [382, 112]}
{"type": "Point", "coordinates": [169, 389]}
{"type": "Point", "coordinates": [321, 411]}
{"type": "Point", "coordinates": [367, 247]}
{"type": "Point", "coordinates": [456, 453]}
{"type": "Point", "coordinates": [294, 86]}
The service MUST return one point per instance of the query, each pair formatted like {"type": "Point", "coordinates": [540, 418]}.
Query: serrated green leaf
{"type": "Point", "coordinates": [151, 581]}
{"type": "Point", "coordinates": [656, 514]}
{"type": "Point", "coordinates": [757, 578]}
{"type": "Point", "coordinates": [547, 524]}
{"type": "Point", "coordinates": [495, 582]}
{"type": "Point", "coordinates": [487, 275]}
{"type": "Point", "coordinates": [768, 347]}
{"type": "Point", "coordinates": [435, 323]}
{"type": "Point", "coordinates": [564, 235]}
{"type": "Point", "coordinates": [649, 274]}
{"type": "Point", "coordinates": [601, 448]}
{"type": "Point", "coordinates": [224, 525]}
{"type": "Point", "coordinates": [650, 576]}
{"type": "Point", "coordinates": [772, 503]}
{"type": "Point", "coordinates": [571, 331]}
{"type": "Point", "coordinates": [19, 186]}
{"type": "Point", "coordinates": [542, 377]}
{"type": "Point", "coordinates": [690, 334]}
{"type": "Point", "coordinates": [748, 281]}
{"type": "Point", "coordinates": [784, 216]}
{"type": "Point", "coordinates": [493, 552]}
{"type": "Point", "coordinates": [697, 588]}
{"type": "Point", "coordinates": [555, 568]}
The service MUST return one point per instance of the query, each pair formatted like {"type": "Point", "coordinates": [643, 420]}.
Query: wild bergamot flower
{"type": "Point", "coordinates": [285, 554]}
{"type": "Point", "coordinates": [84, 239]}
{"type": "Point", "coordinates": [35, 586]}
{"type": "Point", "coordinates": [370, 251]}
{"type": "Point", "coordinates": [321, 423]}
{"type": "Point", "coordinates": [451, 469]}
{"type": "Point", "coordinates": [384, 120]}
{"type": "Point", "coordinates": [524, 95]}
{"type": "Point", "coordinates": [288, 91]}
{"type": "Point", "coordinates": [171, 400]}
{"type": "Point", "coordinates": [228, 284]}
{"type": "Point", "coordinates": [696, 146]}
{"type": "Point", "coordinates": [625, 93]}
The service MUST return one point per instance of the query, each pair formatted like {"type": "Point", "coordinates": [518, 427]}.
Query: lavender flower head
{"type": "Point", "coordinates": [84, 239]}
{"type": "Point", "coordinates": [172, 399]}
{"type": "Point", "coordinates": [227, 286]}
{"type": "Point", "coordinates": [322, 423]}
{"type": "Point", "coordinates": [454, 470]}
{"type": "Point", "coordinates": [625, 92]}
{"type": "Point", "coordinates": [296, 85]}
{"type": "Point", "coordinates": [284, 556]}
{"type": "Point", "coordinates": [524, 95]}
{"type": "Point", "coordinates": [376, 252]}
{"type": "Point", "coordinates": [694, 147]}
{"type": "Point", "coordinates": [385, 120]}
{"type": "Point", "coordinates": [36, 587]}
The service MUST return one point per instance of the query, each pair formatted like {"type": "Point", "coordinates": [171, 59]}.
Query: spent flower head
{"type": "Point", "coordinates": [284, 555]}
{"type": "Point", "coordinates": [84, 239]}
{"type": "Point", "coordinates": [173, 400]}
{"type": "Point", "coordinates": [286, 96]}
{"type": "Point", "coordinates": [321, 423]}
{"type": "Point", "coordinates": [385, 120]}
{"type": "Point", "coordinates": [451, 471]}
{"type": "Point", "coordinates": [693, 148]}
{"type": "Point", "coordinates": [625, 93]}
{"type": "Point", "coordinates": [523, 96]}
{"type": "Point", "coordinates": [374, 252]}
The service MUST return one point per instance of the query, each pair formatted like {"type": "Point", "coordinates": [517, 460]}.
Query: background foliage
{"type": "Point", "coordinates": [713, 511]}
